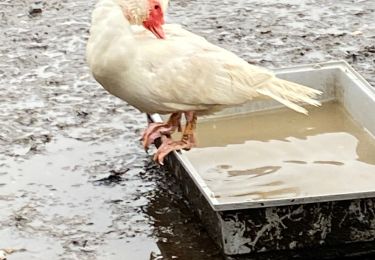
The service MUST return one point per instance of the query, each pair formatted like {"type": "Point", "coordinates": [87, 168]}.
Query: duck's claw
{"type": "Point", "coordinates": [168, 145]}
{"type": "Point", "coordinates": [154, 131]}
{"type": "Point", "coordinates": [164, 130]}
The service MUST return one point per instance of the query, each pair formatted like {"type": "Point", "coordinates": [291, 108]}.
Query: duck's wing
{"type": "Point", "coordinates": [188, 71]}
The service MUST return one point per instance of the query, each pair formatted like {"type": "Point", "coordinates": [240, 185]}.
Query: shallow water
{"type": "Point", "coordinates": [285, 155]}
{"type": "Point", "coordinates": [74, 181]}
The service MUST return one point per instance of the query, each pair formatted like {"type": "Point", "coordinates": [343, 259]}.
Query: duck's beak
{"type": "Point", "coordinates": [157, 30]}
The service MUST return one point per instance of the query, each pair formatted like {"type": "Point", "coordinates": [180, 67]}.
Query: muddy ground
{"type": "Point", "coordinates": [74, 181]}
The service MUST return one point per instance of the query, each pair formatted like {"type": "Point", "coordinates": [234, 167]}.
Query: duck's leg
{"type": "Point", "coordinates": [186, 143]}
{"type": "Point", "coordinates": [156, 130]}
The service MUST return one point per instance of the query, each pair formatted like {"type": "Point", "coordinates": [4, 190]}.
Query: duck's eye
{"type": "Point", "coordinates": [157, 7]}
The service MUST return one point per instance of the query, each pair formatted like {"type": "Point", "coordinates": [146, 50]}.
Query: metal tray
{"type": "Point", "coordinates": [241, 227]}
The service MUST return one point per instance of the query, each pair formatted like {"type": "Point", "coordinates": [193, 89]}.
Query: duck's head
{"type": "Point", "coordinates": [149, 13]}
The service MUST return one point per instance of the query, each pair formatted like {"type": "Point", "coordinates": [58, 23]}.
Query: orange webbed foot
{"type": "Point", "coordinates": [186, 143]}
{"type": "Point", "coordinates": [168, 145]}
{"type": "Point", "coordinates": [156, 130]}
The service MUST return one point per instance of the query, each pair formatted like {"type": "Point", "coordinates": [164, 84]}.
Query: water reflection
{"type": "Point", "coordinates": [178, 231]}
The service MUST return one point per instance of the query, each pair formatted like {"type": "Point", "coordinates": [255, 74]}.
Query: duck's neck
{"type": "Point", "coordinates": [111, 38]}
{"type": "Point", "coordinates": [108, 20]}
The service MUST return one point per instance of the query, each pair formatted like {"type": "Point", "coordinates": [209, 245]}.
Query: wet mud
{"type": "Point", "coordinates": [74, 180]}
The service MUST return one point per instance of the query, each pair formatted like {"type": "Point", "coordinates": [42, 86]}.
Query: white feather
{"type": "Point", "coordinates": [184, 72]}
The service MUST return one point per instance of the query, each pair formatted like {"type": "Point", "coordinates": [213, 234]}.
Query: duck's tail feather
{"type": "Point", "coordinates": [289, 93]}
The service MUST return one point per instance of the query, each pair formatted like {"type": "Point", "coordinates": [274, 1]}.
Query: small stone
{"type": "Point", "coordinates": [265, 31]}
{"type": "Point", "coordinates": [36, 8]}
{"type": "Point", "coordinates": [293, 245]}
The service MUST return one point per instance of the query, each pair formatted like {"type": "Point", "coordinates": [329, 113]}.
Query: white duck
{"type": "Point", "coordinates": [175, 72]}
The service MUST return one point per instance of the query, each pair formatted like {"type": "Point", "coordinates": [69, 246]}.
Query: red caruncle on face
{"type": "Point", "coordinates": [155, 19]}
